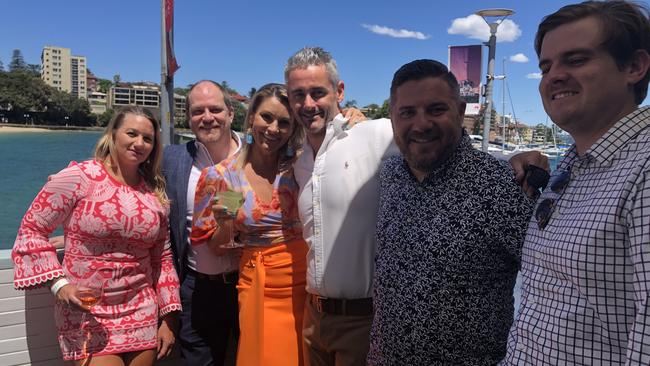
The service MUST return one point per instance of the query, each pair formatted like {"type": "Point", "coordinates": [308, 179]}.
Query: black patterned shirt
{"type": "Point", "coordinates": [447, 259]}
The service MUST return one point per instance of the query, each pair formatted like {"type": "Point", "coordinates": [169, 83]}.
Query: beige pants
{"type": "Point", "coordinates": [335, 340]}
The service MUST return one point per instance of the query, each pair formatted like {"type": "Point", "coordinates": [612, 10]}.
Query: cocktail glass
{"type": "Point", "coordinates": [232, 201]}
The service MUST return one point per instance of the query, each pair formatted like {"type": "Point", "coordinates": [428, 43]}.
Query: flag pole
{"type": "Point", "coordinates": [167, 77]}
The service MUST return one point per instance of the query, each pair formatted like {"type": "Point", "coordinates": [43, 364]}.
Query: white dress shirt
{"type": "Point", "coordinates": [200, 258]}
{"type": "Point", "coordinates": [338, 202]}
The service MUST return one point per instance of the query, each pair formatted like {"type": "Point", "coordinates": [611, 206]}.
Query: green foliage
{"type": "Point", "coordinates": [104, 118]}
{"type": "Point", "coordinates": [23, 92]}
{"type": "Point", "coordinates": [17, 61]}
{"type": "Point", "coordinates": [381, 112]}
{"type": "Point", "coordinates": [182, 91]}
{"type": "Point", "coordinates": [240, 116]}
{"type": "Point", "coordinates": [252, 92]}
{"type": "Point", "coordinates": [226, 86]}
{"type": "Point", "coordinates": [34, 69]}
{"type": "Point", "coordinates": [2, 66]}
{"type": "Point", "coordinates": [104, 85]}
{"type": "Point", "coordinates": [350, 103]}
{"type": "Point", "coordinates": [116, 79]}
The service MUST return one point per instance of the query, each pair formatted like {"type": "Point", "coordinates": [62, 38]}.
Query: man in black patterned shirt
{"type": "Point", "coordinates": [450, 227]}
{"type": "Point", "coordinates": [586, 257]}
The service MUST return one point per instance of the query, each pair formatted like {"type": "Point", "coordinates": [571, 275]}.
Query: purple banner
{"type": "Point", "coordinates": [465, 64]}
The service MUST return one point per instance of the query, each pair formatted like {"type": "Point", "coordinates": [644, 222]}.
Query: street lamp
{"type": "Point", "coordinates": [501, 14]}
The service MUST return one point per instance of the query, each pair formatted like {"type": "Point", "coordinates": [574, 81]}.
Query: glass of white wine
{"type": "Point", "coordinates": [232, 201]}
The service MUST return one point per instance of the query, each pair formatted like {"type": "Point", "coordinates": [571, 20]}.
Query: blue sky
{"type": "Point", "coordinates": [247, 43]}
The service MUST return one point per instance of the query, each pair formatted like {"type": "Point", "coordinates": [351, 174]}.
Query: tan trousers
{"type": "Point", "coordinates": [335, 340]}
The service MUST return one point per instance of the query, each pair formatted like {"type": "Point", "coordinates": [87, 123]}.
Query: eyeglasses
{"type": "Point", "coordinates": [547, 206]}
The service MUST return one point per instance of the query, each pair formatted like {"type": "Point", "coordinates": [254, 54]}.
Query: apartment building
{"type": "Point", "coordinates": [145, 94]}
{"type": "Point", "coordinates": [61, 70]}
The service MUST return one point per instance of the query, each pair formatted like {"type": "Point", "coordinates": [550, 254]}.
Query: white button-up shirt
{"type": "Point", "coordinates": [338, 202]}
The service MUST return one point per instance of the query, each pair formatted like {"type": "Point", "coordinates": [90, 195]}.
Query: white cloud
{"type": "Point", "coordinates": [396, 33]}
{"type": "Point", "coordinates": [534, 75]}
{"type": "Point", "coordinates": [520, 57]}
{"type": "Point", "coordinates": [473, 26]}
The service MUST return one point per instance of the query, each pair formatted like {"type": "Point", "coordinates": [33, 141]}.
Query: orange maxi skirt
{"type": "Point", "coordinates": [271, 302]}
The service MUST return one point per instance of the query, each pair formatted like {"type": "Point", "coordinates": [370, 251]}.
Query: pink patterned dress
{"type": "Point", "coordinates": [118, 230]}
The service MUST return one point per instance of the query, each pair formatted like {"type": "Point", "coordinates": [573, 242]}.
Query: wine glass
{"type": "Point", "coordinates": [232, 201]}
{"type": "Point", "coordinates": [89, 291]}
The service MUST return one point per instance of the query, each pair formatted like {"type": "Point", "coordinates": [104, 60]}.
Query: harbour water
{"type": "Point", "coordinates": [26, 160]}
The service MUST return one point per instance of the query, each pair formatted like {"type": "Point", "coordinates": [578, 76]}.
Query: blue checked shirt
{"type": "Point", "coordinates": [586, 276]}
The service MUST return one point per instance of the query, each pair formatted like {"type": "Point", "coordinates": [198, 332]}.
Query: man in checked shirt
{"type": "Point", "coordinates": [586, 256]}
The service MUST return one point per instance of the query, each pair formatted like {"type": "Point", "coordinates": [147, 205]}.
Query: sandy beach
{"type": "Point", "coordinates": [6, 129]}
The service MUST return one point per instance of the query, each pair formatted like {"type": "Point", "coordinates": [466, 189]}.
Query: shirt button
{"type": "Point", "coordinates": [521, 346]}
{"type": "Point", "coordinates": [408, 219]}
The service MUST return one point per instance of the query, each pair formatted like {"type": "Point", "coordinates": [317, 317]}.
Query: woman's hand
{"type": "Point", "coordinates": [67, 295]}
{"type": "Point", "coordinates": [223, 231]}
{"type": "Point", "coordinates": [166, 337]}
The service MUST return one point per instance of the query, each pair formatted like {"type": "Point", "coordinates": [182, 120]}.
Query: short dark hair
{"type": "Point", "coordinates": [626, 27]}
{"type": "Point", "coordinates": [421, 69]}
{"type": "Point", "coordinates": [227, 99]}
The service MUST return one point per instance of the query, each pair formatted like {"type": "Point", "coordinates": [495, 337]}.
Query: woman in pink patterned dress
{"type": "Point", "coordinates": [114, 213]}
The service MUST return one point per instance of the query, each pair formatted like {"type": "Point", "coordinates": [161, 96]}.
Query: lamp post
{"type": "Point", "coordinates": [501, 14]}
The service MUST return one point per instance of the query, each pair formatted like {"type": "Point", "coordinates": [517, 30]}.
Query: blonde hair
{"type": "Point", "coordinates": [150, 169]}
{"type": "Point", "coordinates": [279, 92]}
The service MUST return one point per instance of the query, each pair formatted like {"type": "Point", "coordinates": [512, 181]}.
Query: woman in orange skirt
{"type": "Point", "coordinates": [273, 263]}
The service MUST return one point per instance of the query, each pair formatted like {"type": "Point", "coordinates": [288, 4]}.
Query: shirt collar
{"type": "Point", "coordinates": [464, 145]}
{"type": "Point", "coordinates": [607, 146]}
{"type": "Point", "coordinates": [202, 159]}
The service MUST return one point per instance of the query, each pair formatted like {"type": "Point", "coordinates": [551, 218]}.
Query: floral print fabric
{"type": "Point", "coordinates": [118, 231]}
{"type": "Point", "coordinates": [257, 223]}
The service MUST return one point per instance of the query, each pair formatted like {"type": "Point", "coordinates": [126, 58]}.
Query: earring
{"type": "Point", "coordinates": [290, 152]}
{"type": "Point", "coordinates": [249, 138]}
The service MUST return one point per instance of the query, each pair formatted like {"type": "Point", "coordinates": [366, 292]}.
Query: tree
{"type": "Point", "coordinates": [34, 69]}
{"type": "Point", "coordinates": [182, 91]}
{"type": "Point", "coordinates": [104, 118]}
{"type": "Point", "coordinates": [226, 86]}
{"type": "Point", "coordinates": [350, 103]}
{"type": "Point", "coordinates": [2, 66]}
{"type": "Point", "coordinates": [104, 85]}
{"type": "Point", "coordinates": [240, 116]}
{"type": "Point", "coordinates": [383, 112]}
{"type": "Point", "coordinates": [252, 92]}
{"type": "Point", "coordinates": [116, 79]}
{"type": "Point", "coordinates": [17, 61]}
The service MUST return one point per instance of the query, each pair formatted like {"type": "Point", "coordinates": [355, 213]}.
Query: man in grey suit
{"type": "Point", "coordinates": [209, 321]}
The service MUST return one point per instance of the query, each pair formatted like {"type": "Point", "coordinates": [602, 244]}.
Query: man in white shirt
{"type": "Point", "coordinates": [339, 196]}
{"type": "Point", "coordinates": [209, 321]}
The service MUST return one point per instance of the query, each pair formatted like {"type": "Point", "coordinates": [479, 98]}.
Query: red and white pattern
{"type": "Point", "coordinates": [119, 230]}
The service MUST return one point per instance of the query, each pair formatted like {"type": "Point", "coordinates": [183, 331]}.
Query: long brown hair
{"type": "Point", "coordinates": [279, 92]}
{"type": "Point", "coordinates": [150, 168]}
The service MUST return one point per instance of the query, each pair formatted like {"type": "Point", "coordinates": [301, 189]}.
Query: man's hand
{"type": "Point", "coordinates": [353, 115]}
{"type": "Point", "coordinates": [166, 337]}
{"type": "Point", "coordinates": [520, 163]}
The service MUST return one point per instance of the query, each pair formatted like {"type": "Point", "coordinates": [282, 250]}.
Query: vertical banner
{"type": "Point", "coordinates": [172, 65]}
{"type": "Point", "coordinates": [465, 64]}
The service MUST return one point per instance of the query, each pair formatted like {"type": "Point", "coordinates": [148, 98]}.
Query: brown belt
{"type": "Point", "coordinates": [355, 307]}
